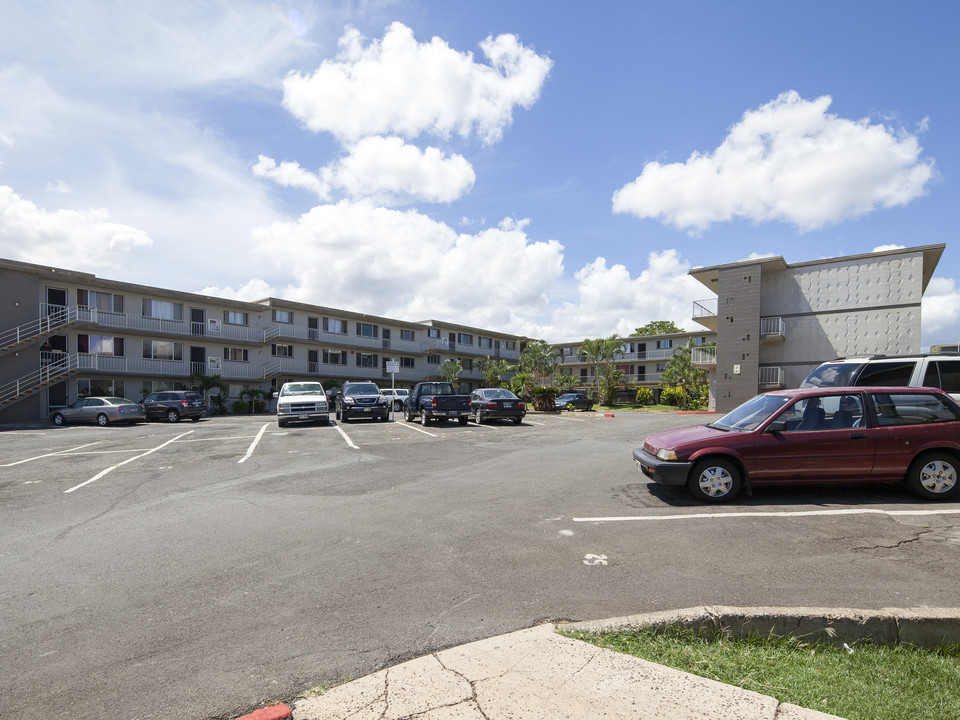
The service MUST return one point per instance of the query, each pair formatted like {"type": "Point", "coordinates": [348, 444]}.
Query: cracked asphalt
{"type": "Point", "coordinates": [186, 584]}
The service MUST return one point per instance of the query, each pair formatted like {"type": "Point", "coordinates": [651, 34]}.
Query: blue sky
{"type": "Point", "coordinates": [547, 168]}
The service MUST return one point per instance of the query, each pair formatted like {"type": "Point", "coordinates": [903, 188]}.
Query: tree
{"type": "Point", "coordinates": [216, 403]}
{"type": "Point", "coordinates": [494, 371]}
{"type": "Point", "coordinates": [680, 373]}
{"type": "Point", "coordinates": [564, 382]}
{"type": "Point", "coordinates": [600, 352]}
{"type": "Point", "coordinates": [521, 385]}
{"type": "Point", "coordinates": [658, 327]}
{"type": "Point", "coordinates": [450, 370]}
{"type": "Point", "coordinates": [539, 359]}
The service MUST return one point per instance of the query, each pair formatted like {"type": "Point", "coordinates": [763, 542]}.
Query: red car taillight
{"type": "Point", "coordinates": [522, 406]}
{"type": "Point", "coordinates": [183, 403]}
{"type": "Point", "coordinates": [491, 406]}
{"type": "Point", "coordinates": [433, 402]}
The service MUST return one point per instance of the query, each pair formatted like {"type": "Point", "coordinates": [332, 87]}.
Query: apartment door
{"type": "Point", "coordinates": [453, 342]}
{"type": "Point", "coordinates": [56, 297]}
{"type": "Point", "coordinates": [313, 327]}
{"type": "Point", "coordinates": [198, 321]}
{"type": "Point", "coordinates": [198, 360]}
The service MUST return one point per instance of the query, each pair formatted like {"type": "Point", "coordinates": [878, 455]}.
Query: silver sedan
{"type": "Point", "coordinates": [99, 410]}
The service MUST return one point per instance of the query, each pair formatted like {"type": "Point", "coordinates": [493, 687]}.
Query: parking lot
{"type": "Point", "coordinates": [198, 569]}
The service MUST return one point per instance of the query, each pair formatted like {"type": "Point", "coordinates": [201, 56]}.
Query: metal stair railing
{"type": "Point", "coordinates": [33, 382]}
{"type": "Point", "coordinates": [56, 318]}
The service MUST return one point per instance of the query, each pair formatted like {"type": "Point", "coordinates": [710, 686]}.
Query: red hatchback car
{"type": "Point", "coordinates": [842, 434]}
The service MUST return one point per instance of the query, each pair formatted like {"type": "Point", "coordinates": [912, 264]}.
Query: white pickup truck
{"type": "Point", "coordinates": [396, 397]}
{"type": "Point", "coordinates": [302, 402]}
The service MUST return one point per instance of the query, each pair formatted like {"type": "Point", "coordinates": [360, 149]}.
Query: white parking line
{"type": "Point", "coordinates": [129, 460]}
{"type": "Point", "coordinates": [561, 417]}
{"type": "Point", "coordinates": [40, 457]}
{"type": "Point", "coordinates": [775, 514]}
{"type": "Point", "coordinates": [414, 427]}
{"type": "Point", "coordinates": [253, 445]}
{"type": "Point", "coordinates": [346, 437]}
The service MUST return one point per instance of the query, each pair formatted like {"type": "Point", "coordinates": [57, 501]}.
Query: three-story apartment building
{"type": "Point", "coordinates": [66, 334]}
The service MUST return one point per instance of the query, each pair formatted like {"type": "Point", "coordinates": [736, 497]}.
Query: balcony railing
{"type": "Point", "coordinates": [771, 377]}
{"type": "Point", "coordinates": [705, 308]}
{"type": "Point", "coordinates": [706, 356]}
{"type": "Point", "coordinates": [772, 328]}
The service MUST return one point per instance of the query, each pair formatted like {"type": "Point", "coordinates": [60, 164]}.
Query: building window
{"type": "Point", "coordinates": [484, 342]}
{"type": "Point", "coordinates": [583, 372]}
{"type": "Point", "coordinates": [162, 350]}
{"type": "Point", "coordinates": [236, 354]}
{"type": "Point", "coordinates": [366, 360]}
{"type": "Point", "coordinates": [464, 339]}
{"type": "Point", "coordinates": [567, 351]}
{"type": "Point", "coordinates": [407, 335]}
{"type": "Point", "coordinates": [433, 359]}
{"type": "Point", "coordinates": [100, 387]}
{"type": "Point", "coordinates": [100, 345]}
{"type": "Point", "coordinates": [235, 318]}
{"type": "Point", "coordinates": [107, 302]}
{"type": "Point", "coordinates": [664, 344]}
{"type": "Point", "coordinates": [433, 332]}
{"type": "Point", "coordinates": [661, 367]}
{"type": "Point", "coordinates": [281, 350]}
{"type": "Point", "coordinates": [333, 325]}
{"type": "Point", "coordinates": [335, 357]}
{"type": "Point", "coordinates": [366, 330]}
{"type": "Point", "coordinates": [162, 309]}
{"type": "Point", "coordinates": [467, 364]}
{"type": "Point", "coordinates": [406, 362]}
{"type": "Point", "coordinates": [283, 316]}
{"type": "Point", "coordinates": [510, 344]}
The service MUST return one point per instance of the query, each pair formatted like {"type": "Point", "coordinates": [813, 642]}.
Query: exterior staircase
{"type": "Point", "coordinates": [34, 382]}
{"type": "Point", "coordinates": [29, 332]}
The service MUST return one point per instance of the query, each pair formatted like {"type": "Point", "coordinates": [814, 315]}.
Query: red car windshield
{"type": "Point", "coordinates": [751, 414]}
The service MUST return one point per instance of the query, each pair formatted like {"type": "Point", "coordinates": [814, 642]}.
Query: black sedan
{"type": "Point", "coordinates": [572, 401]}
{"type": "Point", "coordinates": [494, 404]}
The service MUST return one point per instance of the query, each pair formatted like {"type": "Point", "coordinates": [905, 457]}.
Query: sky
{"type": "Point", "coordinates": [547, 168]}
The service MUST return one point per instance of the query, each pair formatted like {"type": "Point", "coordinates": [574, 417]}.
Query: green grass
{"type": "Point", "coordinates": [641, 408]}
{"type": "Point", "coordinates": [875, 682]}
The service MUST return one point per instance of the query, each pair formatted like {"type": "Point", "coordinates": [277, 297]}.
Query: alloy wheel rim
{"type": "Point", "coordinates": [938, 477]}
{"type": "Point", "coordinates": [715, 481]}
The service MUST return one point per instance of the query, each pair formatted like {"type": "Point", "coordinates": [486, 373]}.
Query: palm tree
{"type": "Point", "coordinates": [601, 351]}
{"type": "Point", "coordinates": [681, 373]}
{"type": "Point", "coordinates": [539, 359]}
{"type": "Point", "coordinates": [493, 370]}
{"type": "Point", "coordinates": [450, 370]}
{"type": "Point", "coordinates": [210, 382]}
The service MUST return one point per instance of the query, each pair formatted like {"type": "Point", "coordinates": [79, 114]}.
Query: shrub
{"type": "Point", "coordinates": [670, 396]}
{"type": "Point", "coordinates": [239, 407]}
{"type": "Point", "coordinates": [543, 398]}
{"type": "Point", "coordinates": [644, 396]}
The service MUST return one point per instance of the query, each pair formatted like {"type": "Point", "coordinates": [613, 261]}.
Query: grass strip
{"type": "Point", "coordinates": [873, 682]}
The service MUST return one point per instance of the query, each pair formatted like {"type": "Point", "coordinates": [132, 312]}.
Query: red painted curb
{"type": "Point", "coordinates": [608, 415]}
{"type": "Point", "coordinates": [274, 712]}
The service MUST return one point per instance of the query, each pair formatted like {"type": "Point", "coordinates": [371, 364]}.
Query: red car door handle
{"type": "Point", "coordinates": [858, 436]}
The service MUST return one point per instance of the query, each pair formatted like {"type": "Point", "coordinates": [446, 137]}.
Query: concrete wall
{"type": "Point", "coordinates": [738, 335]}
{"type": "Point", "coordinates": [19, 304]}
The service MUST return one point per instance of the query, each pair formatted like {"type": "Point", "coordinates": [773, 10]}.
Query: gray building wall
{"type": "Point", "coordinates": [738, 335]}
{"type": "Point", "coordinates": [19, 303]}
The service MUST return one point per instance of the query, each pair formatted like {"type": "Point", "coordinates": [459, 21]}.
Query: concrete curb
{"type": "Point", "coordinates": [923, 627]}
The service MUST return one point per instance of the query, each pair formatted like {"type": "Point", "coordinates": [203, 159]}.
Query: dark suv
{"type": "Point", "coordinates": [361, 399]}
{"type": "Point", "coordinates": [171, 405]}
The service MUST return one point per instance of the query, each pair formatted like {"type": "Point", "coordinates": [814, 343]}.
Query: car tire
{"type": "Point", "coordinates": [934, 476]}
{"type": "Point", "coordinates": [517, 420]}
{"type": "Point", "coordinates": [462, 420]}
{"type": "Point", "coordinates": [57, 419]}
{"type": "Point", "coordinates": [714, 480]}
{"type": "Point", "coordinates": [102, 420]}
{"type": "Point", "coordinates": [173, 416]}
{"type": "Point", "coordinates": [478, 417]}
{"type": "Point", "coordinates": [424, 420]}
{"type": "Point", "coordinates": [281, 423]}
{"type": "Point", "coordinates": [325, 420]}
{"type": "Point", "coordinates": [407, 415]}
{"type": "Point", "coordinates": [397, 406]}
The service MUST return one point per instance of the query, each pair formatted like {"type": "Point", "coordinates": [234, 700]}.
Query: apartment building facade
{"type": "Point", "coordinates": [66, 334]}
{"type": "Point", "coordinates": [642, 359]}
{"type": "Point", "coordinates": [775, 321]}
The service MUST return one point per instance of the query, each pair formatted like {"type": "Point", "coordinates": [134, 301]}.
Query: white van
{"type": "Point", "coordinates": [939, 371]}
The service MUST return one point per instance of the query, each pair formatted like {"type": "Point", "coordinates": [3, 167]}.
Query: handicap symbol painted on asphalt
{"type": "Point", "coordinates": [595, 560]}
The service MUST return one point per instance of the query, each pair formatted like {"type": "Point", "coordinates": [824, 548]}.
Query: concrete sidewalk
{"type": "Point", "coordinates": [537, 673]}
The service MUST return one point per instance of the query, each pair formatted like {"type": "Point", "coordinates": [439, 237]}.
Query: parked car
{"type": "Point", "coordinates": [361, 399]}
{"type": "Point", "coordinates": [99, 410]}
{"type": "Point", "coordinates": [933, 370]}
{"type": "Point", "coordinates": [572, 401]}
{"type": "Point", "coordinates": [302, 402]}
{"type": "Point", "coordinates": [846, 434]}
{"type": "Point", "coordinates": [496, 403]}
{"type": "Point", "coordinates": [438, 401]}
{"type": "Point", "coordinates": [172, 405]}
{"type": "Point", "coordinates": [396, 397]}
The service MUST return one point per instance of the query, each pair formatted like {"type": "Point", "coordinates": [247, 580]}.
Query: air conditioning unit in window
{"type": "Point", "coordinates": [213, 363]}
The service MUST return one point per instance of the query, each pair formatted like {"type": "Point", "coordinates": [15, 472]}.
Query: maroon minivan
{"type": "Point", "coordinates": [839, 434]}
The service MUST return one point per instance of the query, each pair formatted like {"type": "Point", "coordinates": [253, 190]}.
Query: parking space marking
{"type": "Point", "coordinates": [346, 437]}
{"type": "Point", "coordinates": [561, 417]}
{"type": "Point", "coordinates": [128, 460]}
{"type": "Point", "coordinates": [40, 457]}
{"type": "Point", "coordinates": [253, 445]}
{"type": "Point", "coordinates": [775, 514]}
{"type": "Point", "coordinates": [414, 427]}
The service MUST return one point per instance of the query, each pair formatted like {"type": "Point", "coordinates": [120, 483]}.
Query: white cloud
{"type": "Point", "coordinates": [940, 307]}
{"type": "Point", "coordinates": [254, 289]}
{"type": "Point", "coordinates": [399, 86]}
{"type": "Point", "coordinates": [403, 264]}
{"type": "Point", "coordinates": [610, 300]}
{"type": "Point", "coordinates": [789, 160]}
{"type": "Point", "coordinates": [884, 248]}
{"type": "Point", "coordinates": [78, 240]}
{"type": "Point", "coordinates": [383, 169]}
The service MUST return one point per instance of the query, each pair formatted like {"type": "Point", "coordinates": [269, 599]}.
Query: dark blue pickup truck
{"type": "Point", "coordinates": [436, 401]}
